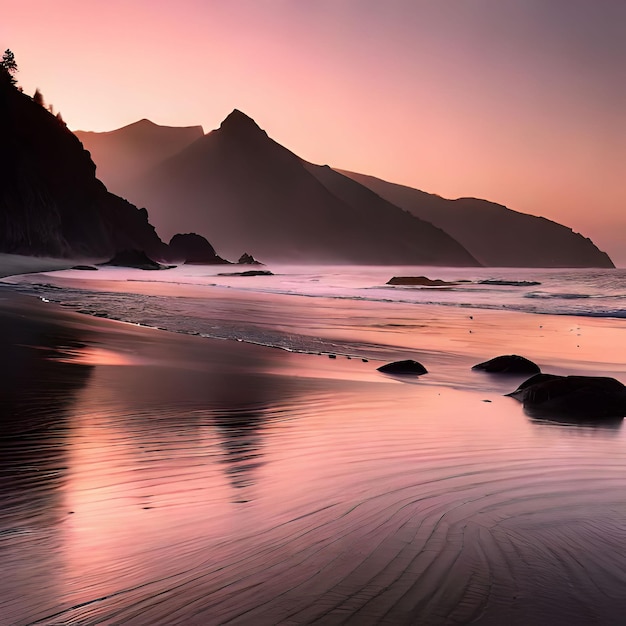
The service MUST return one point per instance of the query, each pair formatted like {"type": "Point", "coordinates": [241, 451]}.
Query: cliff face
{"type": "Point", "coordinates": [247, 192]}
{"type": "Point", "coordinates": [51, 202]}
{"type": "Point", "coordinates": [496, 235]}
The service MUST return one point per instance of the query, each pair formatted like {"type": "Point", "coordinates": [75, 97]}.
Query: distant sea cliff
{"type": "Point", "coordinates": [240, 188]}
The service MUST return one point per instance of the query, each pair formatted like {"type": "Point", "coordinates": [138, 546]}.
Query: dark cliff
{"type": "Point", "coordinates": [51, 202]}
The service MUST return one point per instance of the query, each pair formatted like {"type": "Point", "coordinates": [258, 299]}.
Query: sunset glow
{"type": "Point", "coordinates": [519, 102]}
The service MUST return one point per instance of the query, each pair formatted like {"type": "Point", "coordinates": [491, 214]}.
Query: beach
{"type": "Point", "coordinates": [159, 477]}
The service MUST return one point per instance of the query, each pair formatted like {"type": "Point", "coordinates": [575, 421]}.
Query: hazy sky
{"type": "Point", "coordinates": [522, 102]}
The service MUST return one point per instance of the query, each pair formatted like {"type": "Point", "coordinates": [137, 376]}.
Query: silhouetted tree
{"type": "Point", "coordinates": [38, 98]}
{"type": "Point", "coordinates": [8, 65]}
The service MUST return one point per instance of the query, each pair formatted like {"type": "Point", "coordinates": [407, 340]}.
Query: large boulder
{"type": "Point", "coordinates": [403, 368]}
{"type": "Point", "coordinates": [518, 394]}
{"type": "Point", "coordinates": [508, 364]}
{"type": "Point", "coordinates": [582, 397]}
{"type": "Point", "coordinates": [192, 248]}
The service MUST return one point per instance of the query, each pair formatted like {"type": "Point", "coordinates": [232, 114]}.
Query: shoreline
{"type": "Point", "coordinates": [565, 343]}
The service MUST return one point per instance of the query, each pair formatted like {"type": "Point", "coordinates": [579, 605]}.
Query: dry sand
{"type": "Point", "coordinates": [155, 478]}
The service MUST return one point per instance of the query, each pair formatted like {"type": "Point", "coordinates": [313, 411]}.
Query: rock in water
{"type": "Point", "coordinates": [508, 364]}
{"type": "Point", "coordinates": [248, 273]}
{"type": "Point", "coordinates": [581, 397]}
{"type": "Point", "coordinates": [248, 259]}
{"type": "Point", "coordinates": [509, 283]}
{"type": "Point", "coordinates": [422, 281]}
{"type": "Point", "coordinates": [408, 367]}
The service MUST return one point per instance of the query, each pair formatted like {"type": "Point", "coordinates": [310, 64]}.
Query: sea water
{"type": "Point", "coordinates": [186, 302]}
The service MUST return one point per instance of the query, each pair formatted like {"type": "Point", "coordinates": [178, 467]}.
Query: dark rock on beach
{"type": "Point", "coordinates": [583, 397]}
{"type": "Point", "coordinates": [408, 367]}
{"type": "Point", "coordinates": [508, 364]}
{"type": "Point", "coordinates": [419, 281]}
{"type": "Point", "coordinates": [248, 273]}
{"type": "Point", "coordinates": [136, 259]}
{"type": "Point", "coordinates": [192, 248]}
{"type": "Point", "coordinates": [529, 382]}
{"type": "Point", "coordinates": [509, 283]}
{"type": "Point", "coordinates": [84, 267]}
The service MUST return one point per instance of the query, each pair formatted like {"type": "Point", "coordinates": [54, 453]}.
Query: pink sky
{"type": "Point", "coordinates": [517, 101]}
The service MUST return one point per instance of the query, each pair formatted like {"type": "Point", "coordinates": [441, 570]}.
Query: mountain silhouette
{"type": "Point", "coordinates": [495, 235]}
{"type": "Point", "coordinates": [127, 152]}
{"type": "Point", "coordinates": [244, 191]}
{"type": "Point", "coordinates": [51, 202]}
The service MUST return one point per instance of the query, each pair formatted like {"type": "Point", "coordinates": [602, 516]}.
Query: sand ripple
{"type": "Point", "coordinates": [400, 508]}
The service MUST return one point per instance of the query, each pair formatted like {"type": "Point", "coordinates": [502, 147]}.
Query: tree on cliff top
{"type": "Point", "coordinates": [38, 98]}
{"type": "Point", "coordinates": [8, 66]}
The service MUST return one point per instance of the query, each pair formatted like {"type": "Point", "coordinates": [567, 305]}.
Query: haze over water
{"type": "Point", "coordinates": [165, 478]}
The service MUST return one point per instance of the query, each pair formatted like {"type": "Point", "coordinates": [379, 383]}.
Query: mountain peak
{"type": "Point", "coordinates": [239, 122]}
{"type": "Point", "coordinates": [141, 124]}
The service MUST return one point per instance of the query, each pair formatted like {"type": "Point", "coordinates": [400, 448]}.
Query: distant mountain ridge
{"type": "Point", "coordinates": [51, 202]}
{"type": "Point", "coordinates": [242, 190]}
{"type": "Point", "coordinates": [493, 233]}
{"type": "Point", "coordinates": [129, 151]}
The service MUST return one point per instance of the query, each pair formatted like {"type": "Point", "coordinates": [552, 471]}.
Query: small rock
{"type": "Point", "coordinates": [407, 367]}
{"type": "Point", "coordinates": [508, 364]}
{"type": "Point", "coordinates": [421, 281]}
{"type": "Point", "coordinates": [248, 273]}
{"type": "Point", "coordinates": [248, 259]}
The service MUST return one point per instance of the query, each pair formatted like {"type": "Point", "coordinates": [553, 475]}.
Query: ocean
{"type": "Point", "coordinates": [183, 299]}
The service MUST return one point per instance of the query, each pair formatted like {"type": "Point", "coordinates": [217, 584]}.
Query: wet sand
{"type": "Point", "coordinates": [148, 477]}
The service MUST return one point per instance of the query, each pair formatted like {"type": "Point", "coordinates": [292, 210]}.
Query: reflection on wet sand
{"type": "Point", "coordinates": [241, 432]}
{"type": "Point", "coordinates": [566, 421]}
{"type": "Point", "coordinates": [37, 390]}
